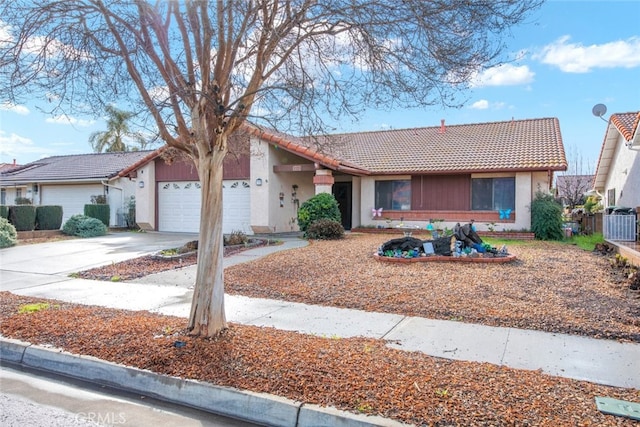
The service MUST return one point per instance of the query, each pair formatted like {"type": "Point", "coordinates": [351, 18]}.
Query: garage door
{"type": "Point", "coordinates": [72, 198]}
{"type": "Point", "coordinates": [179, 206]}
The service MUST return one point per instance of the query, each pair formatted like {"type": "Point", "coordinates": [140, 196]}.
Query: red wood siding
{"type": "Point", "coordinates": [441, 192]}
{"type": "Point", "coordinates": [236, 164]}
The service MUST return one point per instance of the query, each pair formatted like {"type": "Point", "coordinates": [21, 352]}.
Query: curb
{"type": "Point", "coordinates": [261, 408]}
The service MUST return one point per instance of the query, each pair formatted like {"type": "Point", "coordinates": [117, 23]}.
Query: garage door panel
{"type": "Point", "coordinates": [179, 206]}
{"type": "Point", "coordinates": [72, 198]}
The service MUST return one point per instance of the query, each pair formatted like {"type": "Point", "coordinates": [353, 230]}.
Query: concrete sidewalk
{"type": "Point", "coordinates": [599, 361]}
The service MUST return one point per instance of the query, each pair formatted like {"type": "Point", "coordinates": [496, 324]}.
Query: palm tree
{"type": "Point", "coordinates": [113, 139]}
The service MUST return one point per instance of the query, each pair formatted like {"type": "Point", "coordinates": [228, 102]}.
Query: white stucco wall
{"type": "Point", "coordinates": [268, 214]}
{"type": "Point", "coordinates": [146, 196]}
{"type": "Point", "coordinates": [624, 176]}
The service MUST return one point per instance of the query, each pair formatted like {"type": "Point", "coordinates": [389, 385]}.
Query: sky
{"type": "Point", "coordinates": [568, 57]}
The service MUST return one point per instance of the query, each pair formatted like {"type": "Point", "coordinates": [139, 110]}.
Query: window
{"type": "Point", "coordinates": [18, 193]}
{"type": "Point", "coordinates": [611, 197]}
{"type": "Point", "coordinates": [493, 194]}
{"type": "Point", "coordinates": [393, 195]}
{"type": "Point", "coordinates": [3, 196]}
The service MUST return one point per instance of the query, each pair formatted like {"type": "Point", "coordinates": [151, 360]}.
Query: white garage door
{"type": "Point", "coordinates": [179, 206]}
{"type": "Point", "coordinates": [72, 198]}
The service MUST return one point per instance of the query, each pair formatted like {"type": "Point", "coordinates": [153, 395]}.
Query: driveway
{"type": "Point", "coordinates": [37, 264]}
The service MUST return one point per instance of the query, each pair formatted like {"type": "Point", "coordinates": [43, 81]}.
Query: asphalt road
{"type": "Point", "coordinates": [30, 399]}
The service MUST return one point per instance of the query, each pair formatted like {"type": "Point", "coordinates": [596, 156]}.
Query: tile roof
{"type": "Point", "coordinates": [627, 124]}
{"type": "Point", "coordinates": [80, 167]}
{"type": "Point", "coordinates": [515, 145]}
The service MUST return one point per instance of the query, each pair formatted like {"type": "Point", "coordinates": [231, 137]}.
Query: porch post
{"type": "Point", "coordinates": [323, 180]}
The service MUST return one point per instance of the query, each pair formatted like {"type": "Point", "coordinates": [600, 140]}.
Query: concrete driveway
{"type": "Point", "coordinates": [42, 263]}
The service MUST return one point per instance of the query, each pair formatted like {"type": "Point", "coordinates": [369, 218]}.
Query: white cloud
{"type": "Point", "coordinates": [18, 109]}
{"type": "Point", "coordinates": [14, 146]}
{"type": "Point", "coordinates": [577, 58]}
{"type": "Point", "coordinates": [503, 75]}
{"type": "Point", "coordinates": [483, 104]}
{"type": "Point", "coordinates": [67, 120]}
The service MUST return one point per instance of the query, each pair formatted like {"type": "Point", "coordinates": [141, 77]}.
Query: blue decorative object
{"type": "Point", "coordinates": [505, 213]}
{"type": "Point", "coordinates": [430, 227]}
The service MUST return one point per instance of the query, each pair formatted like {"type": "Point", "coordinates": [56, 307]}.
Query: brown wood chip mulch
{"type": "Point", "coordinates": [551, 287]}
{"type": "Point", "coordinates": [358, 375]}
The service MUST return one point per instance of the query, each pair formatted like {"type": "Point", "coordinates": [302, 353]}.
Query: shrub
{"type": "Point", "coordinates": [320, 206]}
{"type": "Point", "coordinates": [546, 217]}
{"type": "Point", "coordinates": [84, 226]}
{"type": "Point", "coordinates": [4, 211]}
{"type": "Point", "coordinates": [99, 200]}
{"type": "Point", "coordinates": [101, 212]}
{"type": "Point", "coordinates": [23, 217]}
{"type": "Point", "coordinates": [325, 229]}
{"type": "Point", "coordinates": [236, 238]}
{"type": "Point", "coordinates": [8, 235]}
{"type": "Point", "coordinates": [48, 217]}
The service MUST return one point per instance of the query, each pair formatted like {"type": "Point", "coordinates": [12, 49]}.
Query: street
{"type": "Point", "coordinates": [29, 398]}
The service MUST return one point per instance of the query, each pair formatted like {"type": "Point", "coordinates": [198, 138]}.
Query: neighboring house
{"type": "Point", "coordinates": [70, 181]}
{"type": "Point", "coordinates": [488, 172]}
{"type": "Point", "coordinates": [617, 177]}
{"type": "Point", "coordinates": [571, 189]}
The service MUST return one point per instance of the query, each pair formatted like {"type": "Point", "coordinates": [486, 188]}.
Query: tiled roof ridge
{"type": "Point", "coordinates": [627, 132]}
{"type": "Point", "coordinates": [447, 125]}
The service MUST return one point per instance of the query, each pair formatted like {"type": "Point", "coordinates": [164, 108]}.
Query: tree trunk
{"type": "Point", "coordinates": [207, 317]}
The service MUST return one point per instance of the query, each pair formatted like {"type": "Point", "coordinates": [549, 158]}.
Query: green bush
{"type": "Point", "coordinates": [325, 229]}
{"type": "Point", "coordinates": [48, 217]}
{"type": "Point", "coordinates": [101, 212]}
{"type": "Point", "coordinates": [320, 206]}
{"type": "Point", "coordinates": [546, 217]}
{"type": "Point", "coordinates": [84, 226]}
{"type": "Point", "coordinates": [23, 217]}
{"type": "Point", "coordinates": [8, 235]}
{"type": "Point", "coordinates": [4, 211]}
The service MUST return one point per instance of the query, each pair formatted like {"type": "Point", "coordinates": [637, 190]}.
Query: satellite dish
{"type": "Point", "coordinates": [599, 110]}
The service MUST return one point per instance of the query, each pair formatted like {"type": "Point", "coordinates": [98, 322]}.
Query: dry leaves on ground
{"type": "Point", "coordinates": [358, 375]}
{"type": "Point", "coordinates": [551, 287]}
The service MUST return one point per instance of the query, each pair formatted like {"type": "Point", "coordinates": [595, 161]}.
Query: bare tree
{"type": "Point", "coordinates": [572, 185]}
{"type": "Point", "coordinates": [202, 68]}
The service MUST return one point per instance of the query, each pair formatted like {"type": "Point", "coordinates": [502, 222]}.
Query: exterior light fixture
{"type": "Point", "coordinates": [258, 182]}
{"type": "Point", "coordinates": [141, 184]}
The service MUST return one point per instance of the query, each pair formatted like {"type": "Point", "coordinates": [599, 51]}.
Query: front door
{"type": "Point", "coordinates": [342, 193]}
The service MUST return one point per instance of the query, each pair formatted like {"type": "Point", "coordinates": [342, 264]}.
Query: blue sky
{"type": "Point", "coordinates": [570, 56]}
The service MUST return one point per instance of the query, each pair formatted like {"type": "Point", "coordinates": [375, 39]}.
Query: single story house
{"type": "Point", "coordinates": [617, 177]}
{"type": "Point", "coordinates": [488, 172]}
{"type": "Point", "coordinates": [70, 181]}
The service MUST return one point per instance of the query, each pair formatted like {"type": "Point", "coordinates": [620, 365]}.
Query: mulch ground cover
{"type": "Point", "coordinates": [551, 287]}
{"type": "Point", "coordinates": [358, 375]}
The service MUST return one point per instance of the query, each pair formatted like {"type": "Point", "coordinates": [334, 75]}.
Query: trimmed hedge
{"type": "Point", "coordinates": [23, 217]}
{"type": "Point", "coordinates": [4, 211]}
{"type": "Point", "coordinates": [84, 226]}
{"type": "Point", "coordinates": [8, 235]}
{"type": "Point", "coordinates": [48, 217]}
{"type": "Point", "coordinates": [101, 212]}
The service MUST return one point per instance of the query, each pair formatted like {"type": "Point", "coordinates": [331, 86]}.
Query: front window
{"type": "Point", "coordinates": [3, 196]}
{"type": "Point", "coordinates": [493, 194]}
{"type": "Point", "coordinates": [393, 195]}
